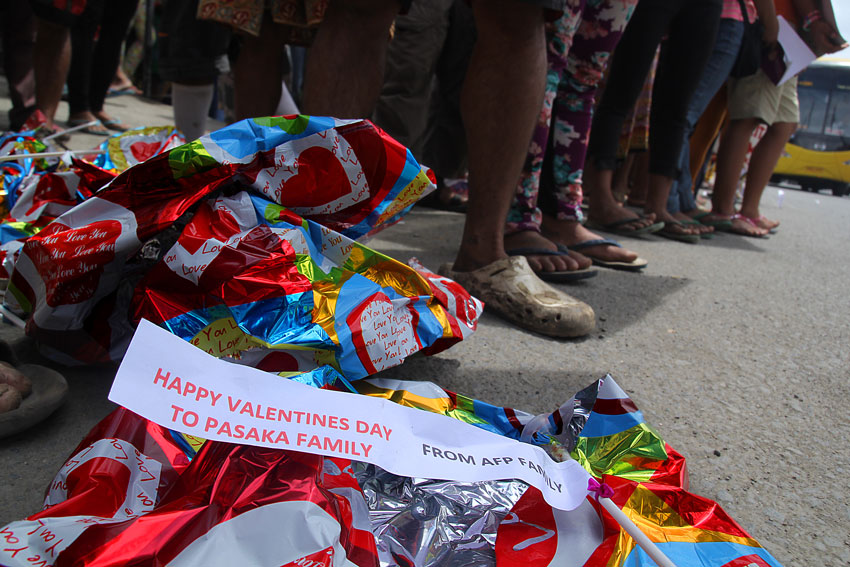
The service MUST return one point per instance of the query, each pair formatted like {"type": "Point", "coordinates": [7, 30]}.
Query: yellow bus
{"type": "Point", "coordinates": [818, 154]}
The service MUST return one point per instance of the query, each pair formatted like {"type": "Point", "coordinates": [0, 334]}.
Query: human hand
{"type": "Point", "coordinates": [825, 39]}
{"type": "Point", "coordinates": [772, 51]}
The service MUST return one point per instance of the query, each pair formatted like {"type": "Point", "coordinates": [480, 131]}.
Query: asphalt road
{"type": "Point", "coordinates": [737, 350]}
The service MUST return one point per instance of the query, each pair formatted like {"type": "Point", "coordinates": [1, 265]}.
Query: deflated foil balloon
{"type": "Point", "coordinates": [135, 493]}
{"type": "Point", "coordinates": [243, 243]}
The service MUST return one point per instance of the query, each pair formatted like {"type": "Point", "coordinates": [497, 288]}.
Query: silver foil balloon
{"type": "Point", "coordinates": [423, 523]}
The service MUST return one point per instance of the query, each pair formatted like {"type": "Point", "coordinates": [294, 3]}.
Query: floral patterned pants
{"type": "Point", "coordinates": [579, 45]}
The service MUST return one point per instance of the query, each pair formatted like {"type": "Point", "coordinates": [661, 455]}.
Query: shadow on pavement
{"type": "Point", "coordinates": [429, 235]}
{"type": "Point", "coordinates": [737, 242]}
{"type": "Point", "coordinates": [621, 299]}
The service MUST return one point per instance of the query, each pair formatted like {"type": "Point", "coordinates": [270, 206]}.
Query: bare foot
{"type": "Point", "coordinates": [763, 222]}
{"type": "Point", "coordinates": [110, 122]}
{"type": "Point", "coordinates": [121, 82]}
{"type": "Point", "coordinates": [670, 219]}
{"type": "Point", "coordinates": [686, 219]}
{"type": "Point", "coordinates": [608, 215]}
{"type": "Point", "coordinates": [545, 262]}
{"type": "Point", "coordinates": [604, 209]}
{"type": "Point", "coordinates": [80, 118]}
{"type": "Point", "coordinates": [570, 233]}
{"type": "Point", "coordinates": [49, 129]}
{"type": "Point", "coordinates": [746, 226]}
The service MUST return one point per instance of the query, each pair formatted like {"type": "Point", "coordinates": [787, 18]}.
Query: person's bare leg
{"type": "Point", "coordinates": [765, 156]}
{"type": "Point", "coordinates": [51, 58]}
{"type": "Point", "coordinates": [122, 82]}
{"type": "Point", "coordinates": [620, 181]}
{"type": "Point", "coordinates": [656, 204]}
{"type": "Point", "coordinates": [257, 72]}
{"type": "Point", "coordinates": [345, 68]}
{"type": "Point", "coordinates": [639, 177]}
{"type": "Point", "coordinates": [734, 143]}
{"type": "Point", "coordinates": [695, 225]}
{"type": "Point", "coordinates": [501, 99]}
{"type": "Point", "coordinates": [604, 208]}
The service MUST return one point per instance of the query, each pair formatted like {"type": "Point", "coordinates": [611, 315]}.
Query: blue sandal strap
{"type": "Point", "coordinates": [535, 252]}
{"type": "Point", "coordinates": [596, 242]}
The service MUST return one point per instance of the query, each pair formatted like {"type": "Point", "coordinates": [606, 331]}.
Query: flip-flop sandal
{"type": "Point", "coordinates": [669, 232]}
{"type": "Point", "coordinates": [118, 91]}
{"type": "Point", "coordinates": [115, 125]}
{"type": "Point", "coordinates": [555, 277]}
{"type": "Point", "coordinates": [98, 129]}
{"type": "Point", "coordinates": [635, 265]}
{"type": "Point", "coordinates": [718, 224]}
{"type": "Point", "coordinates": [616, 227]}
{"type": "Point", "coordinates": [510, 289]}
{"type": "Point", "coordinates": [703, 235]}
{"type": "Point", "coordinates": [699, 215]}
{"type": "Point", "coordinates": [762, 220]}
{"type": "Point", "coordinates": [749, 221]}
{"type": "Point", "coordinates": [49, 391]}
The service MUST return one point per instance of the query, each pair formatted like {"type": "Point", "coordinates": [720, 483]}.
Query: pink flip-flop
{"type": "Point", "coordinates": [752, 222]}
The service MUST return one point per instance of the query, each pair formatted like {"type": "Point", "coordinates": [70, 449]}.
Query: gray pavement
{"type": "Point", "coordinates": [737, 350]}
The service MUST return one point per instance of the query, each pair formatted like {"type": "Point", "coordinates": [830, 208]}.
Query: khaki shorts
{"type": "Point", "coordinates": [757, 97]}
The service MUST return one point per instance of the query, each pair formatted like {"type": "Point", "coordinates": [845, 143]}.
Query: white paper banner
{"type": "Point", "coordinates": [177, 385]}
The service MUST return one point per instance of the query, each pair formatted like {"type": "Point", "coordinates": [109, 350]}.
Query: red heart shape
{"type": "Point", "coordinates": [144, 150]}
{"type": "Point", "coordinates": [278, 361]}
{"type": "Point", "coordinates": [321, 179]}
{"type": "Point", "coordinates": [71, 260]}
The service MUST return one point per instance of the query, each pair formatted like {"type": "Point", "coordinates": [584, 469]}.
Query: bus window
{"type": "Point", "coordinates": [813, 105]}
{"type": "Point", "coordinates": [838, 114]}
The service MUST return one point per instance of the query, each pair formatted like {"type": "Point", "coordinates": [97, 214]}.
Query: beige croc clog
{"type": "Point", "coordinates": [510, 289]}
